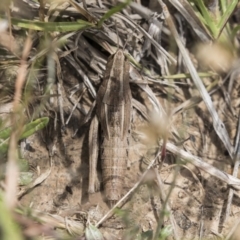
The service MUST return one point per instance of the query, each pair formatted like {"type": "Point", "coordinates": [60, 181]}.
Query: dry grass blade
{"type": "Point", "coordinates": [164, 53]}
{"type": "Point", "coordinates": [235, 173]}
{"type": "Point", "coordinates": [86, 80]}
{"type": "Point", "coordinates": [136, 76]}
{"type": "Point", "coordinates": [187, 12]}
{"type": "Point", "coordinates": [158, 108]}
{"type": "Point", "coordinates": [229, 179]}
{"type": "Point", "coordinates": [217, 123]}
{"type": "Point", "coordinates": [165, 199]}
{"type": "Point", "coordinates": [74, 227]}
{"type": "Point", "coordinates": [37, 181]}
{"type": "Point", "coordinates": [81, 10]}
{"type": "Point", "coordinates": [187, 104]}
{"type": "Point", "coordinates": [140, 107]}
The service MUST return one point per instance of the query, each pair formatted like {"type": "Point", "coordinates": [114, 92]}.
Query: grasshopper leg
{"type": "Point", "coordinates": [94, 184]}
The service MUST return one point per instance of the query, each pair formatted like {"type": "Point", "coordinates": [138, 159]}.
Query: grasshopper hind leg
{"type": "Point", "coordinates": [93, 142]}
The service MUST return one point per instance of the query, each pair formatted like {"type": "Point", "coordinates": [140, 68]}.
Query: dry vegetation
{"type": "Point", "coordinates": [182, 177]}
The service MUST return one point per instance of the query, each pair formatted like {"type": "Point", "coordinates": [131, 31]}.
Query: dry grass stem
{"type": "Point", "coordinates": [12, 168]}
{"type": "Point", "coordinates": [166, 205]}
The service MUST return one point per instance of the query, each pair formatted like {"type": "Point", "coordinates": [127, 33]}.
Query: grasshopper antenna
{"type": "Point", "coordinates": [126, 41]}
{"type": "Point", "coordinates": [128, 38]}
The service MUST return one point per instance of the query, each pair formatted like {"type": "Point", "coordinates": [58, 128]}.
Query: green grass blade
{"type": "Point", "coordinates": [51, 26]}
{"type": "Point", "coordinates": [226, 15]}
{"type": "Point", "coordinates": [93, 233]}
{"type": "Point", "coordinates": [112, 11]}
{"type": "Point", "coordinates": [223, 4]}
{"type": "Point", "coordinates": [9, 229]}
{"type": "Point", "coordinates": [25, 178]}
{"type": "Point", "coordinates": [28, 130]}
{"type": "Point", "coordinates": [204, 10]}
{"type": "Point", "coordinates": [34, 126]}
{"type": "Point", "coordinates": [211, 21]}
{"type": "Point", "coordinates": [3, 146]}
{"type": "Point", "coordinates": [5, 133]}
{"type": "Point", "coordinates": [234, 31]}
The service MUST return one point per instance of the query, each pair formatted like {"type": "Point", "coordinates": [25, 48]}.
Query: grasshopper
{"type": "Point", "coordinates": [113, 108]}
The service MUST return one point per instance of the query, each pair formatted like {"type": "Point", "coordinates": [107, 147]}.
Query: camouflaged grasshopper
{"type": "Point", "coordinates": [114, 114]}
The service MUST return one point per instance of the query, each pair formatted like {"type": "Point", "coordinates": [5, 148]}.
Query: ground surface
{"type": "Point", "coordinates": [197, 200]}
